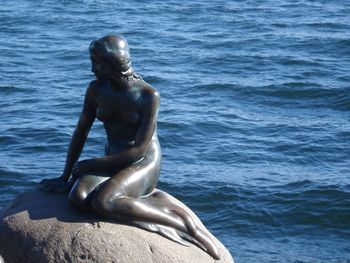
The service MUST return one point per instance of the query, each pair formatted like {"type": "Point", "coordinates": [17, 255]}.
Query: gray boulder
{"type": "Point", "coordinates": [41, 227]}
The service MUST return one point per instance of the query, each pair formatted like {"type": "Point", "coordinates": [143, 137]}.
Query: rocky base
{"type": "Point", "coordinates": [41, 227]}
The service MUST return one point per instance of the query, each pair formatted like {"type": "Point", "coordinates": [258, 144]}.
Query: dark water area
{"type": "Point", "coordinates": [254, 118]}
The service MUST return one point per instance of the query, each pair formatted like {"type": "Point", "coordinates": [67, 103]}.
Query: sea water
{"type": "Point", "coordinates": [254, 117]}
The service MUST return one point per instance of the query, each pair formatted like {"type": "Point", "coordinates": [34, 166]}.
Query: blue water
{"type": "Point", "coordinates": [254, 119]}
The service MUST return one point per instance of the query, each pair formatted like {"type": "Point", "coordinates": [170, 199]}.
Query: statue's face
{"type": "Point", "coordinates": [95, 64]}
{"type": "Point", "coordinates": [99, 67]}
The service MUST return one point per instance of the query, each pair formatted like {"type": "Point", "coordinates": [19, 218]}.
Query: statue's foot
{"type": "Point", "coordinates": [196, 232]}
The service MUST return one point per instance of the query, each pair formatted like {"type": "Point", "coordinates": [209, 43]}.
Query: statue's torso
{"type": "Point", "coordinates": [121, 113]}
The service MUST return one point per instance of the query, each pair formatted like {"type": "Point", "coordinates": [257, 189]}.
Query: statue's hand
{"type": "Point", "coordinates": [58, 185]}
{"type": "Point", "coordinates": [57, 180]}
{"type": "Point", "coordinates": [82, 168]}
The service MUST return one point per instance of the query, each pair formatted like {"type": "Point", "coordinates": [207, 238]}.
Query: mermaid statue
{"type": "Point", "coordinates": [122, 184]}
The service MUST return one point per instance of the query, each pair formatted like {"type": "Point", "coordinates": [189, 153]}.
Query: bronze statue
{"type": "Point", "coordinates": [122, 183]}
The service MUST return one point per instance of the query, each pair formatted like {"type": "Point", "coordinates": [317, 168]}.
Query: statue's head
{"type": "Point", "coordinates": [111, 53]}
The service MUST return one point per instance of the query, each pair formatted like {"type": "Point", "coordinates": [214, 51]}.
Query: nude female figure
{"type": "Point", "coordinates": [121, 184]}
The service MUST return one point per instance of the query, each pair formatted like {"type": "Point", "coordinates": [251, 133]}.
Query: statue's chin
{"type": "Point", "coordinates": [98, 76]}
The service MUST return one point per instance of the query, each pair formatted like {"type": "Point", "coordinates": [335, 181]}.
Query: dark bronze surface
{"type": "Point", "coordinates": [121, 184]}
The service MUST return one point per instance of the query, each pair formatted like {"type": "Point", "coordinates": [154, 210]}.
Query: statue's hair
{"type": "Point", "coordinates": [114, 50]}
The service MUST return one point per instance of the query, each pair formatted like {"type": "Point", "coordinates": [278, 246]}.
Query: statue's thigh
{"type": "Point", "coordinates": [134, 181]}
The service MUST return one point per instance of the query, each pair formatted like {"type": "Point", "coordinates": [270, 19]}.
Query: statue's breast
{"type": "Point", "coordinates": [119, 107]}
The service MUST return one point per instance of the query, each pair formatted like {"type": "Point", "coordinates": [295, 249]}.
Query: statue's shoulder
{"type": "Point", "coordinates": [94, 84]}
{"type": "Point", "coordinates": [94, 87]}
{"type": "Point", "coordinates": [149, 91]}
{"type": "Point", "coordinates": [151, 96]}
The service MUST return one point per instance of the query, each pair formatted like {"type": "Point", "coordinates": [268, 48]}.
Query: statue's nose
{"type": "Point", "coordinates": [95, 67]}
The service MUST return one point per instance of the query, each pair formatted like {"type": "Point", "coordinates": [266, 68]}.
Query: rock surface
{"type": "Point", "coordinates": [41, 227]}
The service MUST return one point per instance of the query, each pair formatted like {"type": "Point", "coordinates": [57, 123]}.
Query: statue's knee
{"type": "Point", "coordinates": [77, 199]}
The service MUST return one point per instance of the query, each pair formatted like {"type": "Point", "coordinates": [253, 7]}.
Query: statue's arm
{"type": "Point", "coordinates": [115, 162]}
{"type": "Point", "coordinates": [80, 133]}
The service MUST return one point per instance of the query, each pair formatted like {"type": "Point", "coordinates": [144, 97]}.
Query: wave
{"type": "Point", "coordinates": [300, 93]}
{"type": "Point", "coordinates": [8, 89]}
{"type": "Point", "coordinates": [327, 25]}
{"type": "Point", "coordinates": [344, 42]}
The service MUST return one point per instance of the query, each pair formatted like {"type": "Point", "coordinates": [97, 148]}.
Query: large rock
{"type": "Point", "coordinates": [41, 227]}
